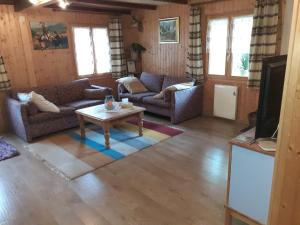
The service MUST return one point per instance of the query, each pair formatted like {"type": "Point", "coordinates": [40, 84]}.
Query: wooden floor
{"type": "Point", "coordinates": [181, 181]}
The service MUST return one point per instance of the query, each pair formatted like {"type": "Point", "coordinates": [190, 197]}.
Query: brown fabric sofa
{"type": "Point", "coordinates": [28, 122]}
{"type": "Point", "coordinates": [178, 105]}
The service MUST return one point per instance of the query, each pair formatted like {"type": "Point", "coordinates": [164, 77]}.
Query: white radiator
{"type": "Point", "coordinates": [225, 101]}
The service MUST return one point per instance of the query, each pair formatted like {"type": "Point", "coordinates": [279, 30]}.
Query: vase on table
{"type": "Point", "coordinates": [109, 102]}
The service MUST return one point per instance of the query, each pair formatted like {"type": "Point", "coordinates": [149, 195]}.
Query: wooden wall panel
{"type": "Point", "coordinates": [27, 67]}
{"type": "Point", "coordinates": [285, 197]}
{"type": "Point", "coordinates": [166, 59]}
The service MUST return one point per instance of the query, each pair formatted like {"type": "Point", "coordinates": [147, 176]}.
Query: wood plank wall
{"type": "Point", "coordinates": [27, 67]}
{"type": "Point", "coordinates": [285, 197]}
{"type": "Point", "coordinates": [170, 59]}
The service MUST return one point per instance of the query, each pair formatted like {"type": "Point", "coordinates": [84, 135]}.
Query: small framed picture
{"type": "Point", "coordinates": [131, 66]}
{"type": "Point", "coordinates": [169, 30]}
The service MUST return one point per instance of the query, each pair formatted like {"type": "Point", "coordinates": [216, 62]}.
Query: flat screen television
{"type": "Point", "coordinates": [271, 89]}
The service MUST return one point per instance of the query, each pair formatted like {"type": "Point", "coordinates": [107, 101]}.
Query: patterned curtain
{"type": "Point", "coordinates": [4, 81]}
{"type": "Point", "coordinates": [118, 61]}
{"type": "Point", "coordinates": [194, 67]}
{"type": "Point", "coordinates": [264, 37]}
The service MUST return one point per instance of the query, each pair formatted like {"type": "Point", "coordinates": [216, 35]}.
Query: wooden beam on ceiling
{"type": "Point", "coordinates": [24, 4]}
{"type": "Point", "coordinates": [173, 1]}
{"type": "Point", "coordinates": [116, 3]}
{"type": "Point", "coordinates": [72, 8]}
{"type": "Point", "coordinates": [6, 2]}
{"type": "Point", "coordinates": [206, 2]}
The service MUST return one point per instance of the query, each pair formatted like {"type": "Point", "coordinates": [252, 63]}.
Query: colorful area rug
{"type": "Point", "coordinates": [7, 150]}
{"type": "Point", "coordinates": [71, 156]}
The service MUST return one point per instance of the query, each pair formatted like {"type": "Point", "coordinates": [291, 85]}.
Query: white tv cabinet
{"type": "Point", "coordinates": [249, 183]}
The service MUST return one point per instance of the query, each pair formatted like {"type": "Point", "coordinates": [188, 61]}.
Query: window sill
{"type": "Point", "coordinates": [95, 75]}
{"type": "Point", "coordinates": [224, 77]}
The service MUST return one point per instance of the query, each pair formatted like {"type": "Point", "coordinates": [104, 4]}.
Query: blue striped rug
{"type": "Point", "coordinates": [71, 156]}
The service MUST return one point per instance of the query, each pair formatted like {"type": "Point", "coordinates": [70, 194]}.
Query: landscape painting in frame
{"type": "Point", "coordinates": [49, 35]}
{"type": "Point", "coordinates": [169, 30]}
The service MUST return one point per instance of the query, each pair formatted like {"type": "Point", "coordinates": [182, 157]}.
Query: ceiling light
{"type": "Point", "coordinates": [63, 4]}
{"type": "Point", "coordinates": [38, 2]}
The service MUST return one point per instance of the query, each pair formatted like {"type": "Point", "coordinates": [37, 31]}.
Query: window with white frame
{"type": "Point", "coordinates": [92, 50]}
{"type": "Point", "coordinates": [228, 45]}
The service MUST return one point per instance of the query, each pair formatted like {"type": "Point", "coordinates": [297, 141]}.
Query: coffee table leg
{"type": "Point", "coordinates": [106, 135]}
{"type": "Point", "coordinates": [141, 123]}
{"type": "Point", "coordinates": [82, 126]}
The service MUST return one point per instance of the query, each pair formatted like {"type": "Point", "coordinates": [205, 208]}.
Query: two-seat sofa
{"type": "Point", "coordinates": [179, 105]}
{"type": "Point", "coordinates": [29, 123]}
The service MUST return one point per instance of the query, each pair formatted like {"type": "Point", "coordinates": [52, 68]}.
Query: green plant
{"type": "Point", "coordinates": [138, 48]}
{"type": "Point", "coordinates": [244, 62]}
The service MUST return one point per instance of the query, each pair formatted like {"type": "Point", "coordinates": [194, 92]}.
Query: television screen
{"type": "Point", "coordinates": [271, 89]}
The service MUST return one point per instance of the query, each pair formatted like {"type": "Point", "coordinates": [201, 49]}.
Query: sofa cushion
{"type": "Point", "coordinates": [174, 87]}
{"type": "Point", "coordinates": [152, 82]}
{"type": "Point", "coordinates": [84, 103]}
{"type": "Point", "coordinates": [32, 109]}
{"type": "Point", "coordinates": [48, 92]}
{"type": "Point", "coordinates": [157, 102]}
{"type": "Point", "coordinates": [45, 116]}
{"type": "Point", "coordinates": [137, 97]}
{"type": "Point", "coordinates": [43, 104]}
{"type": "Point", "coordinates": [171, 80]}
{"type": "Point", "coordinates": [132, 84]}
{"type": "Point", "coordinates": [94, 94]}
{"type": "Point", "coordinates": [73, 91]}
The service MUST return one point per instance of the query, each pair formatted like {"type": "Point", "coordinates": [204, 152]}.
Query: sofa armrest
{"type": "Point", "coordinates": [121, 90]}
{"type": "Point", "coordinates": [96, 94]}
{"type": "Point", "coordinates": [186, 104]}
{"type": "Point", "coordinates": [18, 116]}
{"type": "Point", "coordinates": [104, 89]}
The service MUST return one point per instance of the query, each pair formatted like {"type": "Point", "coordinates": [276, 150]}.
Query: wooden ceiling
{"type": "Point", "coordinates": [96, 6]}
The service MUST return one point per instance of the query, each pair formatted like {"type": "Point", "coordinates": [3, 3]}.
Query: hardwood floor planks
{"type": "Point", "coordinates": [179, 181]}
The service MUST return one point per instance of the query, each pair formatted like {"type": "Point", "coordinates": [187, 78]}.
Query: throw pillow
{"type": "Point", "coordinates": [94, 94]}
{"type": "Point", "coordinates": [42, 104]}
{"type": "Point", "coordinates": [23, 97]}
{"type": "Point", "coordinates": [132, 84]}
{"type": "Point", "coordinates": [175, 87]}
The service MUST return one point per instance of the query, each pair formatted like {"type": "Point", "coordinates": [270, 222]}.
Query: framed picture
{"type": "Point", "coordinates": [49, 35]}
{"type": "Point", "coordinates": [169, 30]}
{"type": "Point", "coordinates": [131, 66]}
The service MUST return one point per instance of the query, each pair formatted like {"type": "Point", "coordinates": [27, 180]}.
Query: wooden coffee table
{"type": "Point", "coordinates": [106, 119]}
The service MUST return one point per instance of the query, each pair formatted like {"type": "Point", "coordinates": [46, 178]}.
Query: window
{"type": "Point", "coordinates": [228, 45]}
{"type": "Point", "coordinates": [92, 50]}
{"type": "Point", "coordinates": [217, 46]}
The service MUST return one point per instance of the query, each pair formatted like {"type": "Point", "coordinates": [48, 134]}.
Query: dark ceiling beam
{"type": "Point", "coordinates": [173, 1]}
{"type": "Point", "coordinates": [24, 4]}
{"type": "Point", "coordinates": [21, 4]}
{"type": "Point", "coordinates": [6, 2]}
{"type": "Point", "coordinates": [116, 3]}
{"type": "Point", "coordinates": [89, 9]}
{"type": "Point", "coordinates": [206, 2]}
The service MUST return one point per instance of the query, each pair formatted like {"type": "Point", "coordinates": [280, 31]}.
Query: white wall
{"type": "Point", "coordinates": [287, 22]}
